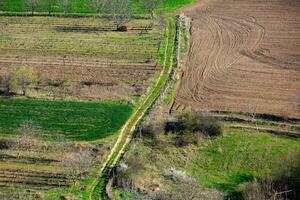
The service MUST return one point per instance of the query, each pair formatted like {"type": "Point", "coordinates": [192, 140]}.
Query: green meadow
{"type": "Point", "coordinates": [75, 120]}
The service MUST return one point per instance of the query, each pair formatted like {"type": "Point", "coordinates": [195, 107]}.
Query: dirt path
{"type": "Point", "coordinates": [125, 135]}
{"type": "Point", "coordinates": [244, 56]}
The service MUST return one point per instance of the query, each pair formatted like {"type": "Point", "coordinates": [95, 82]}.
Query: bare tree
{"type": "Point", "coordinates": [33, 4]}
{"type": "Point", "coordinates": [23, 77]}
{"type": "Point", "coordinates": [78, 162]}
{"type": "Point", "coordinates": [6, 82]}
{"type": "Point", "coordinates": [252, 113]}
{"type": "Point", "coordinates": [98, 5]}
{"type": "Point", "coordinates": [27, 136]}
{"type": "Point", "coordinates": [151, 5]}
{"type": "Point", "coordinates": [49, 5]}
{"type": "Point", "coordinates": [118, 11]}
{"type": "Point", "coordinates": [65, 5]}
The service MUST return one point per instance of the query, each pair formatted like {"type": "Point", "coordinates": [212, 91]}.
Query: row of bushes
{"type": "Point", "coordinates": [187, 127]}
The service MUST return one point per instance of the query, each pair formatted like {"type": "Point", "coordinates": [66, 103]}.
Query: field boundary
{"type": "Point", "coordinates": [97, 189]}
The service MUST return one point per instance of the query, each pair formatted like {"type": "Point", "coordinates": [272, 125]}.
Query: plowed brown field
{"type": "Point", "coordinates": [244, 56]}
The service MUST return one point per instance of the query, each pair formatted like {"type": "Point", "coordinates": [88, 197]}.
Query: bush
{"type": "Point", "coordinates": [55, 83]}
{"type": "Point", "coordinates": [198, 122]}
{"type": "Point", "coordinates": [194, 122]}
{"type": "Point", "coordinates": [151, 128]}
{"type": "Point", "coordinates": [283, 184]}
{"type": "Point", "coordinates": [122, 29]}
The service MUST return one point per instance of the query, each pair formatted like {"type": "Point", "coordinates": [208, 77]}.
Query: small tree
{"type": "Point", "coordinates": [78, 162]}
{"type": "Point", "coordinates": [98, 5]}
{"type": "Point", "coordinates": [33, 4]}
{"type": "Point", "coordinates": [27, 136]}
{"type": "Point", "coordinates": [49, 4]}
{"type": "Point", "coordinates": [252, 113]}
{"type": "Point", "coordinates": [6, 82]}
{"type": "Point", "coordinates": [65, 5]}
{"type": "Point", "coordinates": [23, 77]}
{"type": "Point", "coordinates": [119, 13]}
{"type": "Point", "coordinates": [151, 5]}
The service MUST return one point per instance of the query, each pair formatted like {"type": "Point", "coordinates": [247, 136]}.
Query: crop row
{"type": "Point", "coordinates": [31, 173]}
{"type": "Point", "coordinates": [25, 159]}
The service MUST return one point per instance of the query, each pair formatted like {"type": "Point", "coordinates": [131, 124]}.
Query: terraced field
{"type": "Point", "coordinates": [84, 55]}
{"type": "Point", "coordinates": [244, 56]}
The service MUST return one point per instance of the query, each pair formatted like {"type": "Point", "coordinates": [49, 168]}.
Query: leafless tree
{"type": "Point", "coordinates": [151, 5]}
{"type": "Point", "coordinates": [78, 162]}
{"type": "Point", "coordinates": [23, 77]}
{"type": "Point", "coordinates": [33, 4]}
{"type": "Point", "coordinates": [98, 5]}
{"type": "Point", "coordinates": [65, 5]}
{"type": "Point", "coordinates": [27, 136]}
{"type": "Point", "coordinates": [49, 5]}
{"type": "Point", "coordinates": [118, 11]}
{"type": "Point", "coordinates": [160, 21]}
{"type": "Point", "coordinates": [252, 113]}
{"type": "Point", "coordinates": [6, 82]}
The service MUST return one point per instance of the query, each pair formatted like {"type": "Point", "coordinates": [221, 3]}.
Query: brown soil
{"type": "Point", "coordinates": [244, 56]}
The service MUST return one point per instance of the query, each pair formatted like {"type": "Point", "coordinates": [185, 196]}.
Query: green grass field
{"type": "Point", "coordinates": [238, 157]}
{"type": "Point", "coordinates": [82, 6]}
{"type": "Point", "coordinates": [78, 121]}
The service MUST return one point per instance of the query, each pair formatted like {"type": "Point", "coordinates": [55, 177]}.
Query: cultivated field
{"type": "Point", "coordinates": [81, 57]}
{"type": "Point", "coordinates": [244, 56]}
{"type": "Point", "coordinates": [76, 121]}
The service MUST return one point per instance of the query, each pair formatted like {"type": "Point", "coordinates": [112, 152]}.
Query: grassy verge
{"type": "Point", "coordinates": [98, 192]}
{"type": "Point", "coordinates": [78, 121]}
{"type": "Point", "coordinates": [181, 51]}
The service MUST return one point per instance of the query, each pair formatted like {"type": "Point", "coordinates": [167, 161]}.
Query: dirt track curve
{"type": "Point", "coordinates": [244, 56]}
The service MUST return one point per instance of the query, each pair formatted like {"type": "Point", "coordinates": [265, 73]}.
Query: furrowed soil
{"type": "Point", "coordinates": [244, 56]}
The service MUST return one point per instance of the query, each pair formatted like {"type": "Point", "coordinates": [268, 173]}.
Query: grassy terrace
{"type": "Point", "coordinates": [85, 37]}
{"type": "Point", "coordinates": [78, 121]}
{"type": "Point", "coordinates": [82, 6]}
{"type": "Point", "coordinates": [240, 156]}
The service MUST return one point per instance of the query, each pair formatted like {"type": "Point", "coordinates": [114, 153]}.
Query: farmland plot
{"type": "Point", "coordinates": [81, 57]}
{"type": "Point", "coordinates": [244, 56]}
{"type": "Point", "coordinates": [76, 121]}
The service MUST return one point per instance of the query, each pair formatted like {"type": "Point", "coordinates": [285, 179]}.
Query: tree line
{"type": "Point", "coordinates": [100, 6]}
{"type": "Point", "coordinates": [118, 11]}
